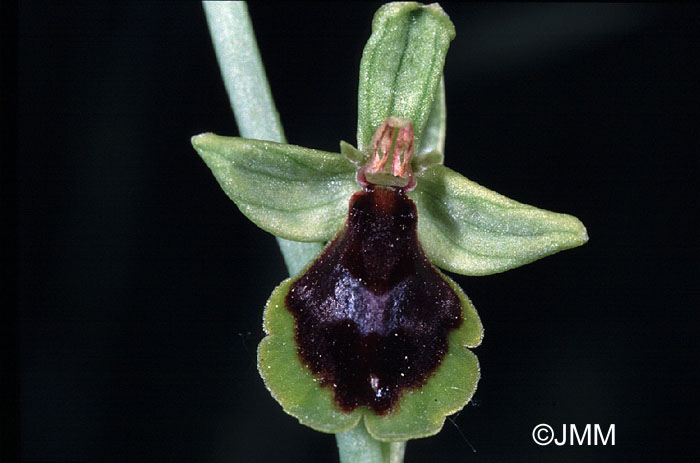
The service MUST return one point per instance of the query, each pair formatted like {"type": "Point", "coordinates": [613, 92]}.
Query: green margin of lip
{"type": "Point", "coordinates": [419, 413]}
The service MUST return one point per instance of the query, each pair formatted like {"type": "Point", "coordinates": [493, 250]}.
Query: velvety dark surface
{"type": "Point", "coordinates": [373, 315]}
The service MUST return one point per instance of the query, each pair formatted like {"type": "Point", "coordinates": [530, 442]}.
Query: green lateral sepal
{"type": "Point", "coordinates": [295, 193]}
{"type": "Point", "coordinates": [468, 229]}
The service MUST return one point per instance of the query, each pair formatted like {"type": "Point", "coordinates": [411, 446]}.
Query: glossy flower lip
{"type": "Point", "coordinates": [372, 314]}
{"type": "Point", "coordinates": [421, 412]}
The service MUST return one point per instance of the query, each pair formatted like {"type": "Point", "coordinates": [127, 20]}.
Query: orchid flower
{"type": "Point", "coordinates": [371, 329]}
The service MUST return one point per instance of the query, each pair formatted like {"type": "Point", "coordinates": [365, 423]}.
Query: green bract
{"type": "Point", "coordinates": [302, 194]}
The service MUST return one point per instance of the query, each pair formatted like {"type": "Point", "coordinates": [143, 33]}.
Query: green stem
{"type": "Point", "coordinates": [357, 445]}
{"type": "Point", "coordinates": [249, 93]}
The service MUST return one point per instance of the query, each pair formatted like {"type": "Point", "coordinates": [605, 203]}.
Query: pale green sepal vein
{"type": "Point", "coordinates": [296, 193]}
{"type": "Point", "coordinates": [401, 67]}
{"type": "Point", "coordinates": [468, 229]}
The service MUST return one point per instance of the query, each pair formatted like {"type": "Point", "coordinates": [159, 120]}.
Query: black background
{"type": "Point", "coordinates": [140, 286]}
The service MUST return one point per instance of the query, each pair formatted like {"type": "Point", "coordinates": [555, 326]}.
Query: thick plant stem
{"type": "Point", "coordinates": [356, 445]}
{"type": "Point", "coordinates": [242, 71]}
{"type": "Point", "coordinates": [249, 93]}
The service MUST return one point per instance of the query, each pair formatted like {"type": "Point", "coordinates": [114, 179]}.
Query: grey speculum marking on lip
{"type": "Point", "coordinates": [372, 314]}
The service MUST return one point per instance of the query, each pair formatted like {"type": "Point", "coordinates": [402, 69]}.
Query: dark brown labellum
{"type": "Point", "coordinates": [372, 314]}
